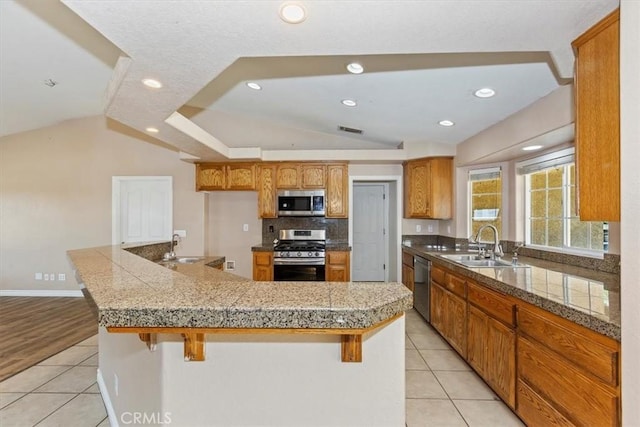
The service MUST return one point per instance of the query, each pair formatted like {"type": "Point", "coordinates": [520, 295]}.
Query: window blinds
{"type": "Point", "coordinates": [484, 174]}
{"type": "Point", "coordinates": [547, 161]}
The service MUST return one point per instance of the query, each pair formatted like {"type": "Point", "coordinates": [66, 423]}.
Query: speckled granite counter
{"type": "Point", "coordinates": [587, 297]}
{"type": "Point", "coordinates": [130, 291]}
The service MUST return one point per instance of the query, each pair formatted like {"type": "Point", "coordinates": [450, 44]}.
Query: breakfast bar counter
{"type": "Point", "coordinates": [185, 327]}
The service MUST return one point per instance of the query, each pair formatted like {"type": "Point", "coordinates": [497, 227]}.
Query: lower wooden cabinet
{"type": "Point", "coordinates": [263, 266]}
{"type": "Point", "coordinates": [570, 372]}
{"type": "Point", "coordinates": [337, 268]}
{"type": "Point", "coordinates": [407, 270]}
{"type": "Point", "coordinates": [449, 313]}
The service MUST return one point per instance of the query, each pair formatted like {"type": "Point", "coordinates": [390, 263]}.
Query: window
{"type": "Point", "coordinates": [485, 191]}
{"type": "Point", "coordinates": [551, 218]}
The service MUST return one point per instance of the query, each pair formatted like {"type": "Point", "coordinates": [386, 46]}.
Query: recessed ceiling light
{"type": "Point", "coordinates": [254, 85]}
{"type": "Point", "coordinates": [152, 130]}
{"type": "Point", "coordinates": [292, 13]}
{"type": "Point", "coordinates": [349, 102]}
{"type": "Point", "coordinates": [446, 123]}
{"type": "Point", "coordinates": [355, 68]}
{"type": "Point", "coordinates": [152, 83]}
{"type": "Point", "coordinates": [532, 147]}
{"type": "Point", "coordinates": [485, 92]}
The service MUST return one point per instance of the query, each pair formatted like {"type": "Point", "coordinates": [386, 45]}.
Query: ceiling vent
{"type": "Point", "coordinates": [350, 130]}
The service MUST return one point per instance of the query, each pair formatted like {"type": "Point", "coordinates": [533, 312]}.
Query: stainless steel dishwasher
{"type": "Point", "coordinates": [422, 286]}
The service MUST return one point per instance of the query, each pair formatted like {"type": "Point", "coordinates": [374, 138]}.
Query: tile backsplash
{"type": "Point", "coordinates": [337, 229]}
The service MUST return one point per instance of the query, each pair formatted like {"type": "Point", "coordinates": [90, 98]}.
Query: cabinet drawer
{"type": "Point", "coordinates": [498, 306]}
{"type": "Point", "coordinates": [455, 284]}
{"type": "Point", "coordinates": [407, 259]}
{"type": "Point", "coordinates": [536, 411]}
{"type": "Point", "coordinates": [337, 258]}
{"type": "Point", "coordinates": [581, 346]}
{"type": "Point", "coordinates": [580, 399]}
{"type": "Point", "coordinates": [437, 274]}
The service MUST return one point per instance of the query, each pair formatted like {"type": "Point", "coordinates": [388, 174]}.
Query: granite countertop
{"type": "Point", "coordinates": [131, 291]}
{"type": "Point", "coordinates": [587, 297]}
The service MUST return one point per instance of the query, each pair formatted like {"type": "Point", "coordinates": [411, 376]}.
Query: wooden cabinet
{"type": "Point", "coordinates": [263, 266]}
{"type": "Point", "coordinates": [491, 340]}
{"type": "Point", "coordinates": [407, 270]}
{"type": "Point", "coordinates": [449, 309]}
{"type": "Point", "coordinates": [428, 188]}
{"type": "Point", "coordinates": [288, 176]}
{"type": "Point", "coordinates": [225, 176]}
{"type": "Point", "coordinates": [267, 191]}
{"type": "Point", "coordinates": [567, 374]}
{"type": "Point", "coordinates": [337, 268]}
{"type": "Point", "coordinates": [597, 98]}
{"type": "Point", "coordinates": [313, 176]}
{"type": "Point", "coordinates": [337, 194]}
{"type": "Point", "coordinates": [306, 176]}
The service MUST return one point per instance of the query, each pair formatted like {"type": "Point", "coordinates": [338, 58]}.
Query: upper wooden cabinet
{"type": "Point", "coordinates": [225, 176]}
{"type": "Point", "coordinates": [288, 176]}
{"type": "Point", "coordinates": [337, 195]}
{"type": "Point", "coordinates": [428, 188]}
{"type": "Point", "coordinates": [292, 176]}
{"type": "Point", "coordinates": [313, 175]}
{"type": "Point", "coordinates": [597, 98]}
{"type": "Point", "coordinates": [267, 191]}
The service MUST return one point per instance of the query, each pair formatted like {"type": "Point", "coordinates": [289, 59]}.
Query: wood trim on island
{"type": "Point", "coordinates": [194, 338]}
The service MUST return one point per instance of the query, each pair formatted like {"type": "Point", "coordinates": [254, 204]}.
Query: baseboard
{"type": "Point", "coordinates": [39, 293]}
{"type": "Point", "coordinates": [113, 419]}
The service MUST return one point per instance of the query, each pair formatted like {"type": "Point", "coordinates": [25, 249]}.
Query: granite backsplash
{"type": "Point", "coordinates": [337, 229]}
{"type": "Point", "coordinates": [609, 264]}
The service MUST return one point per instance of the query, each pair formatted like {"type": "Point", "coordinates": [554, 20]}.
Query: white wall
{"type": "Point", "coordinates": [227, 212]}
{"type": "Point", "coordinates": [55, 195]}
{"type": "Point", "coordinates": [630, 193]}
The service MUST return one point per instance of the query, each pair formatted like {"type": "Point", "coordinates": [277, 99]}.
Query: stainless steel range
{"type": "Point", "coordinates": [299, 255]}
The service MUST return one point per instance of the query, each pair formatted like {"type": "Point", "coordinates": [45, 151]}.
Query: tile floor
{"type": "Point", "coordinates": [441, 389]}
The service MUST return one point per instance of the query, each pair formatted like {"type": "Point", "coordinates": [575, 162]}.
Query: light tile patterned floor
{"type": "Point", "coordinates": [441, 389]}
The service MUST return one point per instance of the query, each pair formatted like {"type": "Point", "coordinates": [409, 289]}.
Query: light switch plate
{"type": "Point", "coordinates": [62, 277]}
{"type": "Point", "coordinates": [245, 227]}
{"type": "Point", "coordinates": [38, 276]}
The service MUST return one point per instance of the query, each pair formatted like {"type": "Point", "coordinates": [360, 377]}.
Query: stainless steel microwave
{"type": "Point", "coordinates": [301, 203]}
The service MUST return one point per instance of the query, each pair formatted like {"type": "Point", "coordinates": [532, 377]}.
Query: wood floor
{"type": "Point", "coordinates": [32, 329]}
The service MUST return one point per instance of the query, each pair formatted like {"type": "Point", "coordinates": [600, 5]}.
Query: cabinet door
{"type": "Point", "coordinates": [438, 308]}
{"type": "Point", "coordinates": [440, 189]}
{"type": "Point", "coordinates": [337, 200]}
{"type": "Point", "coordinates": [313, 176]}
{"type": "Point", "coordinates": [240, 176]}
{"type": "Point", "coordinates": [476, 340]}
{"type": "Point", "coordinates": [288, 176]}
{"type": "Point", "coordinates": [501, 360]}
{"type": "Point", "coordinates": [407, 277]}
{"type": "Point", "coordinates": [456, 318]}
{"type": "Point", "coordinates": [337, 267]}
{"type": "Point", "coordinates": [267, 191]}
{"type": "Point", "coordinates": [210, 177]}
{"type": "Point", "coordinates": [597, 98]}
{"type": "Point", "coordinates": [263, 266]}
{"type": "Point", "coordinates": [418, 189]}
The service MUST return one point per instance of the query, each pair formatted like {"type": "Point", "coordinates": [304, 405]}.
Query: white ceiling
{"type": "Point", "coordinates": [423, 60]}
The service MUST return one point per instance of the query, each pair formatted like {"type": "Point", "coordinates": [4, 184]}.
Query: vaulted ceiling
{"type": "Point", "coordinates": [423, 61]}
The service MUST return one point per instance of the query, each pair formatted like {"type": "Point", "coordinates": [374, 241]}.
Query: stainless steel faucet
{"type": "Point", "coordinates": [497, 248]}
{"type": "Point", "coordinates": [174, 242]}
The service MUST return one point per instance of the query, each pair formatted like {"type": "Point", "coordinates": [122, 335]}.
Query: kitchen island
{"type": "Point", "coordinates": [199, 346]}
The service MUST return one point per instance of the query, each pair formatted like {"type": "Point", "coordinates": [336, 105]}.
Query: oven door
{"type": "Point", "coordinates": [294, 272]}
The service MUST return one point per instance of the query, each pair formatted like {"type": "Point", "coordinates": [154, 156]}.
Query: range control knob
{"type": "Point", "coordinates": [299, 253]}
{"type": "Point", "coordinates": [317, 254]}
{"type": "Point", "coordinates": [310, 254]}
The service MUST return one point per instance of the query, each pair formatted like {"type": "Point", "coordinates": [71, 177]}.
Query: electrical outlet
{"type": "Point", "coordinates": [430, 228]}
{"type": "Point", "coordinates": [52, 276]}
{"type": "Point", "coordinates": [181, 233]}
{"type": "Point", "coordinates": [46, 276]}
{"type": "Point", "coordinates": [116, 383]}
{"type": "Point", "coordinates": [245, 227]}
{"type": "Point", "coordinates": [38, 276]}
{"type": "Point", "coordinates": [448, 229]}
{"type": "Point", "coordinates": [231, 265]}
{"type": "Point", "coordinates": [62, 277]}
{"type": "Point", "coordinates": [418, 228]}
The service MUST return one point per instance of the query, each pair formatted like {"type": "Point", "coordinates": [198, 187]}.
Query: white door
{"type": "Point", "coordinates": [143, 209]}
{"type": "Point", "coordinates": [370, 237]}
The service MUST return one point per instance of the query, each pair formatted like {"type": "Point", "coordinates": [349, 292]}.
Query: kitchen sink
{"type": "Point", "coordinates": [188, 260]}
{"type": "Point", "coordinates": [472, 260]}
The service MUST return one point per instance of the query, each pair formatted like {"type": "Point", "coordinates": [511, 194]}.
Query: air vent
{"type": "Point", "coordinates": [350, 130]}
